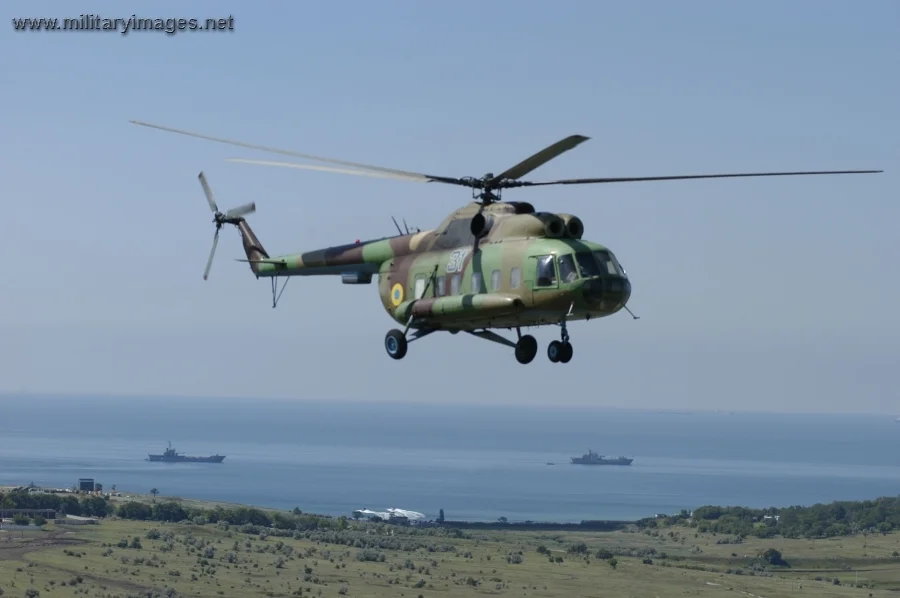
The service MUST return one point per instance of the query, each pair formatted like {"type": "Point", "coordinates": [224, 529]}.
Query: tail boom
{"type": "Point", "coordinates": [362, 258]}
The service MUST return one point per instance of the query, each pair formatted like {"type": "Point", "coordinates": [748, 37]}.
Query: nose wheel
{"type": "Point", "coordinates": [560, 351]}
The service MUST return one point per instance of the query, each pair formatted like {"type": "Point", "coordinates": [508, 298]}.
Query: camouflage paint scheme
{"type": "Point", "coordinates": [526, 268]}
{"type": "Point", "coordinates": [516, 235]}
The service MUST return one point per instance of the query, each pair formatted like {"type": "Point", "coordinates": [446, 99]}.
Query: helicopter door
{"type": "Point", "coordinates": [542, 274]}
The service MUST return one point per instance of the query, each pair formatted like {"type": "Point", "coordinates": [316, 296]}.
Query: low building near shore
{"type": "Point", "coordinates": [76, 520]}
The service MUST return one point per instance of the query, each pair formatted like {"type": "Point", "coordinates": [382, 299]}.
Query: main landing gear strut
{"type": "Point", "coordinates": [557, 352]}
{"type": "Point", "coordinates": [396, 343]}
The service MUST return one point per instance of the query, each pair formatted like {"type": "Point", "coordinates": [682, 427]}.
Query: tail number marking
{"type": "Point", "coordinates": [456, 260]}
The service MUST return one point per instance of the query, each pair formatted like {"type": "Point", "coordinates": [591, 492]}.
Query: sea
{"type": "Point", "coordinates": [476, 462]}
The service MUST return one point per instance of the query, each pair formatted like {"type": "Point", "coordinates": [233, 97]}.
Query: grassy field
{"type": "Point", "coordinates": [130, 558]}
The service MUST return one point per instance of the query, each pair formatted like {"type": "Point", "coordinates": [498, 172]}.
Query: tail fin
{"type": "Point", "coordinates": [254, 250]}
{"type": "Point", "coordinates": [252, 247]}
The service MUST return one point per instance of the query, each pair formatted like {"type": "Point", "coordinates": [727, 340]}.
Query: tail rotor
{"type": "Point", "coordinates": [232, 216]}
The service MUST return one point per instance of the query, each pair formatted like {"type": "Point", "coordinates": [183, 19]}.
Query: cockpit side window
{"type": "Point", "coordinates": [567, 271]}
{"type": "Point", "coordinates": [587, 265]}
{"type": "Point", "coordinates": [606, 263]}
{"type": "Point", "coordinates": [618, 264]}
{"type": "Point", "coordinates": [545, 275]}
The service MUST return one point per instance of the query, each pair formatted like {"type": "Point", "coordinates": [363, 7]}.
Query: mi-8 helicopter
{"type": "Point", "coordinates": [489, 265]}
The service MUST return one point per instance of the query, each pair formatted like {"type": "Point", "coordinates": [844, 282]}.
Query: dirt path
{"type": "Point", "coordinates": [13, 549]}
{"type": "Point", "coordinates": [105, 581]}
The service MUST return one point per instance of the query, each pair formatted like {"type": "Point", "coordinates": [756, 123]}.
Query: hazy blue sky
{"type": "Point", "coordinates": [776, 294]}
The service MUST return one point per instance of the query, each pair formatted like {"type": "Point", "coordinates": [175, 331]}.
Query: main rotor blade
{"type": "Point", "coordinates": [672, 178]}
{"type": "Point", "coordinates": [541, 158]}
{"type": "Point", "coordinates": [208, 192]}
{"type": "Point", "coordinates": [247, 208]}
{"type": "Point", "coordinates": [450, 180]}
{"type": "Point", "coordinates": [353, 171]}
{"type": "Point", "coordinates": [212, 252]}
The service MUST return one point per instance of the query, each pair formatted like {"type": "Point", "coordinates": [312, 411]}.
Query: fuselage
{"type": "Point", "coordinates": [516, 282]}
{"type": "Point", "coordinates": [528, 269]}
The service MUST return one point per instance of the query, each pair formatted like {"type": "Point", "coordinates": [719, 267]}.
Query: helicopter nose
{"type": "Point", "coordinates": [608, 294]}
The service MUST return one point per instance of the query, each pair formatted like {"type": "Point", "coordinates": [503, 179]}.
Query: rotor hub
{"type": "Point", "coordinates": [232, 216]}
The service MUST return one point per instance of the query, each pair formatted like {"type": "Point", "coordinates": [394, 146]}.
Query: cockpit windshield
{"type": "Point", "coordinates": [587, 266]}
{"type": "Point", "coordinates": [609, 266]}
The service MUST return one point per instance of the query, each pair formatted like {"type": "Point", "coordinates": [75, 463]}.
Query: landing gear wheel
{"type": "Point", "coordinates": [526, 349]}
{"type": "Point", "coordinates": [395, 344]}
{"type": "Point", "coordinates": [566, 353]}
{"type": "Point", "coordinates": [555, 351]}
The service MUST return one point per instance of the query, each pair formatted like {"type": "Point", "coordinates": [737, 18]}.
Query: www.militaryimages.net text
{"type": "Point", "coordinates": [93, 22]}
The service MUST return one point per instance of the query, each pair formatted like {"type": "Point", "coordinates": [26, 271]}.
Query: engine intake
{"type": "Point", "coordinates": [480, 225]}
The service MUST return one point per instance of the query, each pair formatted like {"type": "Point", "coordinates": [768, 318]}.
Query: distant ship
{"type": "Point", "coordinates": [592, 458]}
{"type": "Point", "coordinates": [171, 456]}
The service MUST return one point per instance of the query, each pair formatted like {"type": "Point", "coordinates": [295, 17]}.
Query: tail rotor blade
{"type": "Point", "coordinates": [209, 193]}
{"type": "Point", "coordinates": [212, 252]}
{"type": "Point", "coordinates": [247, 208]}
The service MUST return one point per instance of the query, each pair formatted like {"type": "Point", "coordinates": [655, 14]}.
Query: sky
{"type": "Point", "coordinates": [775, 294]}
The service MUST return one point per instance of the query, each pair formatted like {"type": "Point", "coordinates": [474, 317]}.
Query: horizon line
{"type": "Point", "coordinates": [427, 402]}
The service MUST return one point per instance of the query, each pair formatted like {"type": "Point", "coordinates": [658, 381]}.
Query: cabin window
{"type": "Point", "coordinates": [439, 287]}
{"type": "Point", "coordinates": [606, 263]}
{"type": "Point", "coordinates": [545, 274]}
{"type": "Point", "coordinates": [454, 284]}
{"type": "Point", "coordinates": [567, 272]}
{"type": "Point", "coordinates": [495, 280]}
{"type": "Point", "coordinates": [515, 277]}
{"type": "Point", "coordinates": [587, 265]}
{"type": "Point", "coordinates": [477, 287]}
{"type": "Point", "coordinates": [420, 286]}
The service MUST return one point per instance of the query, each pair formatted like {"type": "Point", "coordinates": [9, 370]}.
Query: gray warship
{"type": "Point", "coordinates": [171, 456]}
{"type": "Point", "coordinates": [592, 458]}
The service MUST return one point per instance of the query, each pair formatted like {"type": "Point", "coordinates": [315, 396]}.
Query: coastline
{"type": "Point", "coordinates": [821, 520]}
{"type": "Point", "coordinates": [194, 503]}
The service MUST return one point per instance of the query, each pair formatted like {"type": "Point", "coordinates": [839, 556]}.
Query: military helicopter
{"type": "Point", "coordinates": [489, 265]}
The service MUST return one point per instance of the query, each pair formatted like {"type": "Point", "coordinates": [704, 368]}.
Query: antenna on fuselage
{"type": "Point", "coordinates": [400, 232]}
